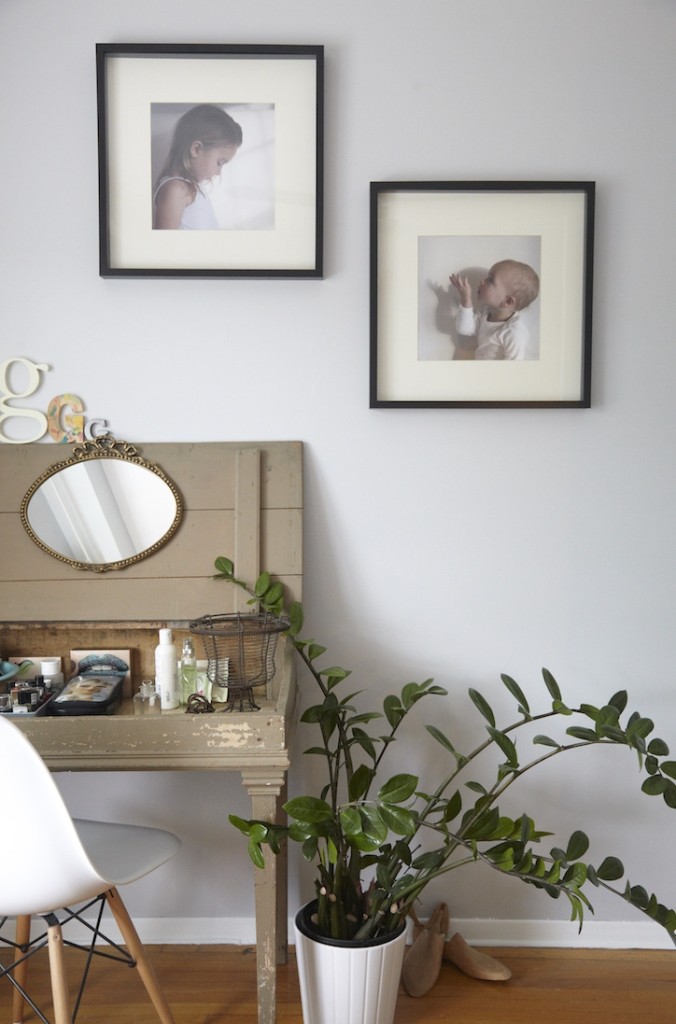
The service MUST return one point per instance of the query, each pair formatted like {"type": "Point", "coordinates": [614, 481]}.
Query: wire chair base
{"type": "Point", "coordinates": [34, 946]}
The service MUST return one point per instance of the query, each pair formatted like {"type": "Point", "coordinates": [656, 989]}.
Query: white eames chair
{"type": "Point", "coordinates": [50, 862]}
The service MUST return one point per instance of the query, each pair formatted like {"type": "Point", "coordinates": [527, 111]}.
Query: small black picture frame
{"type": "Point", "coordinates": [210, 160]}
{"type": "Point", "coordinates": [527, 345]}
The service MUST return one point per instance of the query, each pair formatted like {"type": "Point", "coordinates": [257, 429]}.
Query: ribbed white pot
{"type": "Point", "coordinates": [344, 982]}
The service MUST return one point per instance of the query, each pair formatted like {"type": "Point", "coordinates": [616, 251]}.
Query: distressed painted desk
{"type": "Point", "coordinates": [256, 744]}
{"type": "Point", "coordinates": [240, 500]}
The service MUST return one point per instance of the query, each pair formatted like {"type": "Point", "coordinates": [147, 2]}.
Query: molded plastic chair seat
{"type": "Point", "coordinates": [81, 860]}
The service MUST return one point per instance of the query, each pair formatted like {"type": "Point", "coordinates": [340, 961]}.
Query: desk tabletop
{"type": "Point", "coordinates": [174, 740]}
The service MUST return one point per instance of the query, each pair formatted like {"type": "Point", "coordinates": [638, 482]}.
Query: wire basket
{"type": "Point", "coordinates": [240, 649]}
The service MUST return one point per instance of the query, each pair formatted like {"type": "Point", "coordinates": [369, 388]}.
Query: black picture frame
{"type": "Point", "coordinates": [421, 232]}
{"type": "Point", "coordinates": [265, 208]}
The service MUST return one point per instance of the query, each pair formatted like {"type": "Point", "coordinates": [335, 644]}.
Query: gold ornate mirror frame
{"type": "Point", "coordinates": [161, 500]}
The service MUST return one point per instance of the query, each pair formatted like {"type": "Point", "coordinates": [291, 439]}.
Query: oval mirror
{"type": "Point", "coordinates": [104, 508]}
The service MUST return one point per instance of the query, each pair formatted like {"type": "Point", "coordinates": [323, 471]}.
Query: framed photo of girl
{"type": "Point", "coordinates": [210, 160]}
{"type": "Point", "coordinates": [481, 294]}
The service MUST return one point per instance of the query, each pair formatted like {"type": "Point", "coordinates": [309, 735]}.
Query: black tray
{"type": "Point", "coordinates": [96, 694]}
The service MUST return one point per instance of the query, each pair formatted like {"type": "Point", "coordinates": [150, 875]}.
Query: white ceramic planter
{"type": "Point", "coordinates": [347, 983]}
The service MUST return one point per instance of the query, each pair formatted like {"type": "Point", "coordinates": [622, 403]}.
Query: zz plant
{"type": "Point", "coordinates": [378, 842]}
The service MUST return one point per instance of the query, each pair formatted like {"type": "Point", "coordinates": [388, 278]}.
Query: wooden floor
{"type": "Point", "coordinates": [217, 985]}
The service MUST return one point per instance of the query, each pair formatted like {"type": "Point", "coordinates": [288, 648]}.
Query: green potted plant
{"type": "Point", "coordinates": [377, 841]}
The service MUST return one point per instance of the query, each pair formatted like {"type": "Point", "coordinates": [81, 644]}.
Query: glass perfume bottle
{"type": "Point", "coordinates": [147, 700]}
{"type": "Point", "coordinates": [188, 673]}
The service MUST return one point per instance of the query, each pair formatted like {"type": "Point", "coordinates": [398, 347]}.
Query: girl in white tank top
{"type": "Point", "coordinates": [204, 140]}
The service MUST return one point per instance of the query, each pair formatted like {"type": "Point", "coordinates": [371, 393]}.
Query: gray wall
{"type": "Point", "coordinates": [450, 543]}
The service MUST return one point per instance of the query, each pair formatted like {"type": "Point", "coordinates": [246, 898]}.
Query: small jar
{"type": "Point", "coordinates": [147, 700]}
{"type": "Point", "coordinates": [50, 669]}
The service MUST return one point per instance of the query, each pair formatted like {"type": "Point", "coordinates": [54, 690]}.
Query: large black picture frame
{"type": "Point", "coordinates": [268, 201]}
{"type": "Point", "coordinates": [421, 232]}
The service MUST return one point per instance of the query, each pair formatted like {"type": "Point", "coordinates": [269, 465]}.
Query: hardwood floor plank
{"type": "Point", "coordinates": [217, 985]}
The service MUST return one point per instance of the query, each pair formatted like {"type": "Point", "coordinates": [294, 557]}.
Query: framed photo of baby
{"type": "Point", "coordinates": [481, 294]}
{"type": "Point", "coordinates": [210, 160]}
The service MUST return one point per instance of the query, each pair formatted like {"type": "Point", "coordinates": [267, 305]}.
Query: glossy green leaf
{"type": "Point", "coordinates": [579, 732]}
{"type": "Point", "coordinates": [334, 675]}
{"type": "Point", "coordinates": [373, 826]}
{"type": "Point", "coordinates": [441, 738]}
{"type": "Point", "coordinates": [241, 823]}
{"type": "Point", "coordinates": [256, 854]}
{"type": "Point", "coordinates": [295, 618]}
{"type": "Point", "coordinates": [299, 831]}
{"type": "Point", "coordinates": [225, 566]}
{"type": "Point", "coordinates": [545, 741]}
{"type": "Point", "coordinates": [258, 832]}
{"type": "Point", "coordinates": [619, 700]}
{"type": "Point", "coordinates": [398, 819]}
{"type": "Point", "coordinates": [274, 593]}
{"type": "Point", "coordinates": [506, 746]}
{"type": "Point", "coordinates": [482, 706]}
{"type": "Point", "coordinates": [262, 584]}
{"type": "Point", "coordinates": [607, 715]}
{"type": "Point", "coordinates": [315, 750]}
{"type": "Point", "coordinates": [638, 897]}
{"type": "Point", "coordinates": [312, 715]}
{"type": "Point", "coordinates": [428, 861]}
{"type": "Point", "coordinates": [410, 694]}
{"type": "Point", "coordinates": [398, 789]}
{"type": "Point", "coordinates": [551, 684]}
{"type": "Point", "coordinates": [453, 807]}
{"type": "Point", "coordinates": [576, 875]}
{"type": "Point", "coordinates": [308, 808]}
{"type": "Point", "coordinates": [365, 742]}
{"type": "Point", "coordinates": [309, 848]}
{"type": "Point", "coordinates": [654, 786]}
{"type": "Point", "coordinates": [394, 712]}
{"type": "Point", "coordinates": [350, 820]}
{"type": "Point", "coordinates": [525, 865]}
{"type": "Point", "coordinates": [640, 727]}
{"type": "Point", "coordinates": [614, 733]}
{"type": "Point", "coordinates": [517, 693]}
{"type": "Point", "coordinates": [578, 844]}
{"type": "Point", "coordinates": [610, 869]}
{"type": "Point", "coordinates": [669, 794]}
{"type": "Point", "coordinates": [485, 825]}
{"type": "Point", "coordinates": [360, 782]}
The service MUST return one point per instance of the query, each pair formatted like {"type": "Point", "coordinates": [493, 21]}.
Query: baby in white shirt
{"type": "Point", "coordinates": [508, 288]}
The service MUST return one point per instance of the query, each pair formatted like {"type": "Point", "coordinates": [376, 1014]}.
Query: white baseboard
{"type": "Point", "coordinates": [240, 931]}
{"type": "Point", "coordinates": [564, 934]}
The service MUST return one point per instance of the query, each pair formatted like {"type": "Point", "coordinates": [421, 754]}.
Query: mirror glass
{"type": "Point", "coordinates": [104, 508]}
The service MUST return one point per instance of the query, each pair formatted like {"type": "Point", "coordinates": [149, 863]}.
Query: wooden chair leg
{"type": "Point", "coordinates": [23, 931]}
{"type": "Point", "coordinates": [135, 947]}
{"type": "Point", "coordinates": [57, 971]}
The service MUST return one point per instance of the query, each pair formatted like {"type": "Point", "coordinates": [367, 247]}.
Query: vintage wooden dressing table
{"type": "Point", "coordinates": [244, 501]}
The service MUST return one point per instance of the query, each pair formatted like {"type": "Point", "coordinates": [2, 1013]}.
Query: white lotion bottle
{"type": "Point", "coordinates": [166, 673]}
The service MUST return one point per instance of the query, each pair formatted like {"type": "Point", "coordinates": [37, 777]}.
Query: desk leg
{"type": "Point", "coordinates": [265, 787]}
